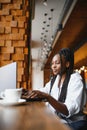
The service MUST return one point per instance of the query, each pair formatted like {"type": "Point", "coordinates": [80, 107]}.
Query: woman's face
{"type": "Point", "coordinates": [56, 64]}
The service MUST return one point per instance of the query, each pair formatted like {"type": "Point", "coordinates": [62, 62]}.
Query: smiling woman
{"type": "Point", "coordinates": [66, 97]}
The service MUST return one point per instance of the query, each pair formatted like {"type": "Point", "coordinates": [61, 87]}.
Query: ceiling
{"type": "Point", "coordinates": [72, 35]}
{"type": "Point", "coordinates": [37, 24]}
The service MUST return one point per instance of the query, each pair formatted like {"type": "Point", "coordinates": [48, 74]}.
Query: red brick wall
{"type": "Point", "coordinates": [15, 31]}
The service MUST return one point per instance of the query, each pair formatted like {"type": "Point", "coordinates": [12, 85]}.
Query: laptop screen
{"type": "Point", "coordinates": [8, 76]}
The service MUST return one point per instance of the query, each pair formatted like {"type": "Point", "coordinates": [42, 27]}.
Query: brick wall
{"type": "Point", "coordinates": [15, 37]}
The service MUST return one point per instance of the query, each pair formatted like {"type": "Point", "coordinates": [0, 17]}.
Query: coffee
{"type": "Point", "coordinates": [12, 95]}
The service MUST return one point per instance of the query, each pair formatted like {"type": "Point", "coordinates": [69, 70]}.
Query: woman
{"type": "Point", "coordinates": [65, 92]}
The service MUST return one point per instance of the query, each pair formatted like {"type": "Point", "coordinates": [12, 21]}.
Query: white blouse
{"type": "Point", "coordinates": [75, 99]}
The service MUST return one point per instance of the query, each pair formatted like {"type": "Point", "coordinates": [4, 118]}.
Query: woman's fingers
{"type": "Point", "coordinates": [33, 94]}
{"type": "Point", "coordinates": [37, 93]}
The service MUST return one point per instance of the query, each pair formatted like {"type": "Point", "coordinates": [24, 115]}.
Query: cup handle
{"type": "Point", "coordinates": [2, 95]}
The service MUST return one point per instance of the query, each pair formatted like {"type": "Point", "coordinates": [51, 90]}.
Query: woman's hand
{"type": "Point", "coordinates": [38, 94]}
{"type": "Point", "coordinates": [25, 93]}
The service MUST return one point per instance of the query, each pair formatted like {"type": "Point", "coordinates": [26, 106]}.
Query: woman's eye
{"type": "Point", "coordinates": [56, 63]}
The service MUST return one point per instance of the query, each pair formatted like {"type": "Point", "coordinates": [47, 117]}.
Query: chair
{"type": "Point", "coordinates": [79, 125]}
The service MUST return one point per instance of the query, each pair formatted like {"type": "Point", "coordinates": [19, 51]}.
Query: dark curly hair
{"type": "Point", "coordinates": [67, 55]}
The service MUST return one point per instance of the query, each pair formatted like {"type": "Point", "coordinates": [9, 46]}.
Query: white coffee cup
{"type": "Point", "coordinates": [11, 95]}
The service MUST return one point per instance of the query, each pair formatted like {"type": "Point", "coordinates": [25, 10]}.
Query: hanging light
{"type": "Point", "coordinates": [47, 35]}
{"type": "Point", "coordinates": [45, 2]}
{"type": "Point", "coordinates": [52, 38]}
{"type": "Point", "coordinates": [52, 24]}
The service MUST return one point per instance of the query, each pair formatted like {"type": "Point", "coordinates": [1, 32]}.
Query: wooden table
{"type": "Point", "coordinates": [30, 116]}
{"type": "Point", "coordinates": [85, 111]}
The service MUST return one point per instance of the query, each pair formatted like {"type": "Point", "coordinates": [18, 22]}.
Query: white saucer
{"type": "Point", "coordinates": [20, 102]}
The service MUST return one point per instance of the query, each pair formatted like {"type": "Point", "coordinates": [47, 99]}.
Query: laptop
{"type": "Point", "coordinates": [8, 76]}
